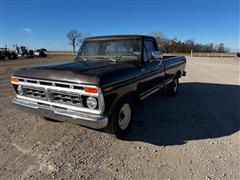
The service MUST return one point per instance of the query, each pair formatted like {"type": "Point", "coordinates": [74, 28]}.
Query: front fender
{"type": "Point", "coordinates": [112, 97]}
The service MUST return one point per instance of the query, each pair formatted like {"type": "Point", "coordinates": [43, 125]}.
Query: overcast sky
{"type": "Point", "coordinates": [44, 23]}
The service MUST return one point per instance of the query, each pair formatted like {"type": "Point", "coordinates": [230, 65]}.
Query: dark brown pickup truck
{"type": "Point", "coordinates": [100, 87]}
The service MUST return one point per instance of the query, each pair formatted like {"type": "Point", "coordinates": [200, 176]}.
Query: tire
{"type": "Point", "coordinates": [6, 58]}
{"type": "Point", "coordinates": [120, 119]}
{"type": "Point", "coordinates": [173, 87]}
{"type": "Point", "coordinates": [25, 56]}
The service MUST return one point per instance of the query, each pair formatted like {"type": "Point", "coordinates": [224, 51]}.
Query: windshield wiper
{"type": "Point", "coordinates": [83, 58]}
{"type": "Point", "coordinates": [106, 57]}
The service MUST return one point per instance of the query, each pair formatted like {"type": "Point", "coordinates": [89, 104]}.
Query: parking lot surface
{"type": "Point", "coordinates": [194, 135]}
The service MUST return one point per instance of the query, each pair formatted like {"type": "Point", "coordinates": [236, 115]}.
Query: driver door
{"type": "Point", "coordinates": [152, 68]}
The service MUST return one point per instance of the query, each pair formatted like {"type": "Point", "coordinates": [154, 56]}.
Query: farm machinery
{"type": "Point", "coordinates": [6, 54]}
{"type": "Point", "coordinates": [23, 52]}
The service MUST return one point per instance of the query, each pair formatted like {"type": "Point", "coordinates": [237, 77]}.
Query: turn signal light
{"type": "Point", "coordinates": [14, 80]}
{"type": "Point", "coordinates": [90, 90]}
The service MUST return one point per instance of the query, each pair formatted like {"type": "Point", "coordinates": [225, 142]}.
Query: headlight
{"type": "Point", "coordinates": [19, 90]}
{"type": "Point", "coordinates": [91, 102]}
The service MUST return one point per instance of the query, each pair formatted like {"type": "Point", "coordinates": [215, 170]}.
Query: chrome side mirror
{"type": "Point", "coordinates": [157, 54]}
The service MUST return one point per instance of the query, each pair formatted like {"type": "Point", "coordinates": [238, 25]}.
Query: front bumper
{"type": "Point", "coordinates": [85, 119]}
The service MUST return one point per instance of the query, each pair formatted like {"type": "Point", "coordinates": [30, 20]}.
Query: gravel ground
{"type": "Point", "coordinates": [194, 135]}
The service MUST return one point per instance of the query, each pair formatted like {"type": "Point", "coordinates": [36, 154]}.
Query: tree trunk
{"type": "Point", "coordinates": [73, 49]}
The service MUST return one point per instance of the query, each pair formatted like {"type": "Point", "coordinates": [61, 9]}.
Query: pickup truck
{"type": "Point", "coordinates": [98, 89]}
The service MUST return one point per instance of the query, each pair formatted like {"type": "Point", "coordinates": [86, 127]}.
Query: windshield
{"type": "Point", "coordinates": [118, 49]}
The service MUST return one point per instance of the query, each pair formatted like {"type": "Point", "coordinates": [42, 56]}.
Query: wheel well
{"type": "Point", "coordinates": [133, 95]}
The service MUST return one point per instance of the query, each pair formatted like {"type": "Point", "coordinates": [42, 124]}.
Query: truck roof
{"type": "Point", "coordinates": [119, 37]}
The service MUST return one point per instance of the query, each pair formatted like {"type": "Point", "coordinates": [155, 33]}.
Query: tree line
{"type": "Point", "coordinates": [176, 46]}
{"type": "Point", "coordinates": [166, 45]}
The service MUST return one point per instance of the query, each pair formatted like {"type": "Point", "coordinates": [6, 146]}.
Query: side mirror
{"type": "Point", "coordinates": [157, 54]}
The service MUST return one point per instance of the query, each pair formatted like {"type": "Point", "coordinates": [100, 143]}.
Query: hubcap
{"type": "Point", "coordinates": [124, 116]}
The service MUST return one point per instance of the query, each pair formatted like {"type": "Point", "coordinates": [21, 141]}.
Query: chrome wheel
{"type": "Point", "coordinates": [124, 116]}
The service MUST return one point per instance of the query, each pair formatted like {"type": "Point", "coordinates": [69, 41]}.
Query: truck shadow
{"type": "Point", "coordinates": [199, 111]}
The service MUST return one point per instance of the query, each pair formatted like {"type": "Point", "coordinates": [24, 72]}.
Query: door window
{"type": "Point", "coordinates": [149, 48]}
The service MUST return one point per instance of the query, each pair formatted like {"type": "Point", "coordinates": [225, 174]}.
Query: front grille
{"type": "Point", "coordinates": [33, 92]}
{"type": "Point", "coordinates": [57, 94]}
{"type": "Point", "coordinates": [66, 98]}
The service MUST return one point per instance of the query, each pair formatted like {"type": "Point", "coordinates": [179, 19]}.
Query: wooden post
{"type": "Point", "coordinates": [191, 52]}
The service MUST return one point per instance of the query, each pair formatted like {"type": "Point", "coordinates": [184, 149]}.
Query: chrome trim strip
{"type": "Point", "coordinates": [50, 81]}
{"type": "Point", "coordinates": [154, 89]}
{"type": "Point", "coordinates": [150, 93]}
{"type": "Point", "coordinates": [79, 91]}
{"type": "Point", "coordinates": [101, 103]}
{"type": "Point", "coordinates": [168, 81]}
{"type": "Point", "coordinates": [160, 64]}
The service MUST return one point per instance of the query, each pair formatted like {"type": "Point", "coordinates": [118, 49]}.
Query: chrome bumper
{"type": "Point", "coordinates": [81, 118]}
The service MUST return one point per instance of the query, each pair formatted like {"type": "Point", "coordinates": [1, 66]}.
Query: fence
{"type": "Point", "coordinates": [203, 54]}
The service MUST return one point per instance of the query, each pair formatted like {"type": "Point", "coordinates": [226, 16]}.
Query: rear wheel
{"type": "Point", "coordinates": [172, 88]}
{"type": "Point", "coordinates": [120, 119]}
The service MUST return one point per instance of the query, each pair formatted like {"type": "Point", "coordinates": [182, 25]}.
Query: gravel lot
{"type": "Point", "coordinates": [194, 135]}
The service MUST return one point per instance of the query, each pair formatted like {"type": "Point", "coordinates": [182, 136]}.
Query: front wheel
{"type": "Point", "coordinates": [172, 88]}
{"type": "Point", "coordinates": [120, 119]}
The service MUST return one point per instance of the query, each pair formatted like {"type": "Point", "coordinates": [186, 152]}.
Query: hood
{"type": "Point", "coordinates": [87, 72]}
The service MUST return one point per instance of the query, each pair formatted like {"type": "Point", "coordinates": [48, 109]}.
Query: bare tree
{"type": "Point", "coordinates": [73, 37]}
{"type": "Point", "coordinates": [161, 39]}
{"type": "Point", "coordinates": [189, 45]}
{"type": "Point", "coordinates": [157, 34]}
